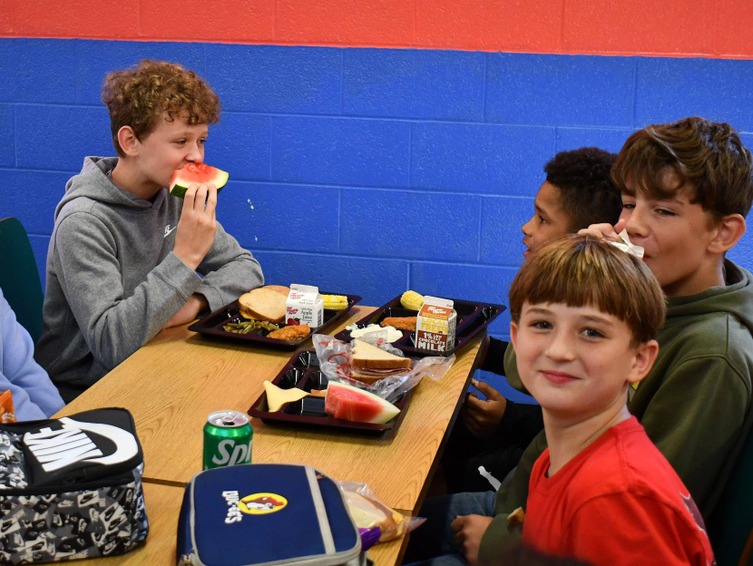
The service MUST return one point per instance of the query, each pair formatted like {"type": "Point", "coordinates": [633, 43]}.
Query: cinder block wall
{"type": "Point", "coordinates": [373, 147]}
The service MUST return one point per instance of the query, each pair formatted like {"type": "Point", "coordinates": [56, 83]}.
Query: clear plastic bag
{"type": "Point", "coordinates": [370, 514]}
{"type": "Point", "coordinates": [335, 362]}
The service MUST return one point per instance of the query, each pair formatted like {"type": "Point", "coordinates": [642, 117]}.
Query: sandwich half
{"type": "Point", "coordinates": [263, 303]}
{"type": "Point", "coordinates": [370, 363]}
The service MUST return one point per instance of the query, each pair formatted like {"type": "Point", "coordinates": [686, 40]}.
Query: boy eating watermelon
{"type": "Point", "coordinates": [126, 259]}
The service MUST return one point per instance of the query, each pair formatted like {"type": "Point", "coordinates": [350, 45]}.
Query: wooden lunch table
{"type": "Point", "coordinates": [174, 382]}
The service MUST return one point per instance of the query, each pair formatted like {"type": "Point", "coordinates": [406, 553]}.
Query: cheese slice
{"type": "Point", "coordinates": [277, 397]}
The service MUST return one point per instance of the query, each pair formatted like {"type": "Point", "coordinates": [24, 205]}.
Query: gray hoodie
{"type": "Point", "coordinates": [113, 281]}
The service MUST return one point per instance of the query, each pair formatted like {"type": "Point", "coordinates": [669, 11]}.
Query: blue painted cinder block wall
{"type": "Point", "coordinates": [364, 171]}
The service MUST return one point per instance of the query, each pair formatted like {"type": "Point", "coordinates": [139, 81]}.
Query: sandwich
{"type": "Point", "coordinates": [279, 288]}
{"type": "Point", "coordinates": [367, 513]}
{"type": "Point", "coordinates": [370, 363]}
{"type": "Point", "coordinates": [263, 303]}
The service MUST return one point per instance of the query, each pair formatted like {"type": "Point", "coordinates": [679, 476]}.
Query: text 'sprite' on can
{"type": "Point", "coordinates": [228, 438]}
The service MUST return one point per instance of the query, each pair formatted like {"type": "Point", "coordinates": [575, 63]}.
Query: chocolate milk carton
{"type": "Point", "coordinates": [435, 325]}
{"type": "Point", "coordinates": [304, 306]}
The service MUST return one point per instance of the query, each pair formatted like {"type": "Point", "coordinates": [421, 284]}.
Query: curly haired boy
{"type": "Point", "coordinates": [125, 258]}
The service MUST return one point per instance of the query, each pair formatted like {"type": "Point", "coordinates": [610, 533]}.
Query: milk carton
{"type": "Point", "coordinates": [435, 325]}
{"type": "Point", "coordinates": [304, 305]}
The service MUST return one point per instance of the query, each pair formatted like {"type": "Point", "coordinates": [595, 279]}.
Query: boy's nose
{"type": "Point", "coordinates": [526, 227]}
{"type": "Point", "coordinates": [559, 347]}
{"type": "Point", "coordinates": [194, 153]}
{"type": "Point", "coordinates": [635, 223]}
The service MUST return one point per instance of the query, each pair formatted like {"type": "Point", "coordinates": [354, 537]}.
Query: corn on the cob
{"type": "Point", "coordinates": [411, 300]}
{"type": "Point", "coordinates": [335, 302]}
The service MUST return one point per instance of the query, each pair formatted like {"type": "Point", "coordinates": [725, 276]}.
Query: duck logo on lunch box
{"type": "Point", "coordinates": [255, 504]}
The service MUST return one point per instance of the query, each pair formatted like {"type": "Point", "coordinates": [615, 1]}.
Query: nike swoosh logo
{"type": "Point", "coordinates": [168, 231]}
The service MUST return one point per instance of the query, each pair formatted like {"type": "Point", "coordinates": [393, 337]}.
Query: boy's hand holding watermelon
{"type": "Point", "coordinates": [196, 183]}
{"type": "Point", "coordinates": [197, 226]}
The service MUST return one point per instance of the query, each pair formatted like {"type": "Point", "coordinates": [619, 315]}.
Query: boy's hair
{"type": "Point", "coordinates": [580, 270]}
{"type": "Point", "coordinates": [587, 192]}
{"type": "Point", "coordinates": [708, 157]}
{"type": "Point", "coordinates": [140, 96]}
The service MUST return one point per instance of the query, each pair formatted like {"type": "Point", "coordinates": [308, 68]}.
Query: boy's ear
{"type": "Point", "coordinates": [513, 334]}
{"type": "Point", "coordinates": [128, 141]}
{"type": "Point", "coordinates": [645, 355]}
{"type": "Point", "coordinates": [729, 231]}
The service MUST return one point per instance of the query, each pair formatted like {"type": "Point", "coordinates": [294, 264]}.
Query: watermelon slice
{"type": "Point", "coordinates": [196, 173]}
{"type": "Point", "coordinates": [353, 404]}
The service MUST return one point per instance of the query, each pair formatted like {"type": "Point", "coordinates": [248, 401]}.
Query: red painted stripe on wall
{"type": "Point", "coordinates": [702, 28]}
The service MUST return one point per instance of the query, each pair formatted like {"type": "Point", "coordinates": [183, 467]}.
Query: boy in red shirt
{"type": "Point", "coordinates": [601, 491]}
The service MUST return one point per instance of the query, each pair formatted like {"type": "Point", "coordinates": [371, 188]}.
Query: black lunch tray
{"type": "Point", "coordinates": [212, 325]}
{"type": "Point", "coordinates": [472, 318]}
{"type": "Point", "coordinates": [303, 371]}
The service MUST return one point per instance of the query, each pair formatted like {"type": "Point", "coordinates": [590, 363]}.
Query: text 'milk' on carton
{"type": "Point", "coordinates": [435, 325]}
{"type": "Point", "coordinates": [304, 306]}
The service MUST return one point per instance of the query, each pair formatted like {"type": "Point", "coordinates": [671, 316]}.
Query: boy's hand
{"type": "Point", "coordinates": [198, 224]}
{"type": "Point", "coordinates": [483, 417]}
{"type": "Point", "coordinates": [604, 231]}
{"type": "Point", "coordinates": [188, 312]}
{"type": "Point", "coordinates": [468, 531]}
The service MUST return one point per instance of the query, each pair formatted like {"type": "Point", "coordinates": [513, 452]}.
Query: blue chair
{"type": "Point", "coordinates": [19, 276]}
{"type": "Point", "coordinates": [731, 525]}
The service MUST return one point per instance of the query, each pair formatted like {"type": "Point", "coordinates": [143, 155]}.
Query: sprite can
{"type": "Point", "coordinates": [228, 437]}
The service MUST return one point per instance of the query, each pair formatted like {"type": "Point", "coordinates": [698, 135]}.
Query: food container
{"type": "Point", "coordinates": [472, 318]}
{"type": "Point", "coordinates": [304, 306]}
{"type": "Point", "coordinates": [215, 324]}
{"type": "Point", "coordinates": [302, 371]}
{"type": "Point", "coordinates": [435, 325]}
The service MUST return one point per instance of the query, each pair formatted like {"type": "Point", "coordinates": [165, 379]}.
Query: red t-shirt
{"type": "Point", "coordinates": [618, 502]}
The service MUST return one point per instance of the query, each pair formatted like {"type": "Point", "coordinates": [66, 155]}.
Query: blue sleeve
{"type": "Point", "coordinates": [34, 395]}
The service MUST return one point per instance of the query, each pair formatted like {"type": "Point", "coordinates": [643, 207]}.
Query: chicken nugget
{"type": "Point", "coordinates": [400, 322]}
{"type": "Point", "coordinates": [291, 332]}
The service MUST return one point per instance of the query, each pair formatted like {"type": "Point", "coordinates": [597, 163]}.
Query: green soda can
{"type": "Point", "coordinates": [228, 438]}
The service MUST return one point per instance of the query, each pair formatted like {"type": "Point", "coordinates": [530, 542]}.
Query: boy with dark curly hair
{"type": "Point", "coordinates": [126, 259]}
{"type": "Point", "coordinates": [577, 192]}
{"type": "Point", "coordinates": [493, 432]}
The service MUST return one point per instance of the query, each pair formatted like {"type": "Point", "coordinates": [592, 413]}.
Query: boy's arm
{"type": "Point", "coordinates": [229, 271]}
{"type": "Point", "coordinates": [113, 325]}
{"type": "Point", "coordinates": [521, 422]}
{"type": "Point", "coordinates": [195, 305]}
{"type": "Point", "coordinates": [494, 361]}
{"type": "Point", "coordinates": [497, 416]}
{"type": "Point", "coordinates": [646, 528]}
{"type": "Point", "coordinates": [696, 419]}
{"type": "Point", "coordinates": [34, 395]}
{"type": "Point", "coordinates": [467, 533]}
{"type": "Point", "coordinates": [519, 418]}
{"type": "Point", "coordinates": [502, 535]}
{"type": "Point", "coordinates": [482, 416]}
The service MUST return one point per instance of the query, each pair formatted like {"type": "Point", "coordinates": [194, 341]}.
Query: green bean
{"type": "Point", "coordinates": [249, 326]}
